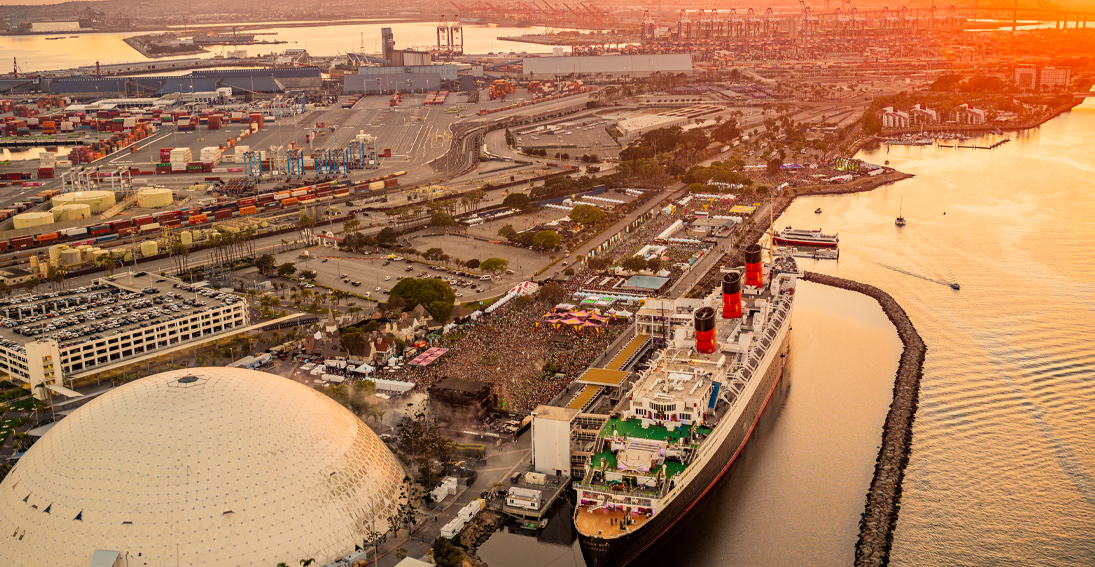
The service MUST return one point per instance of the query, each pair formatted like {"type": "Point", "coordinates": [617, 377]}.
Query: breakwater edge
{"type": "Point", "coordinates": [883, 502]}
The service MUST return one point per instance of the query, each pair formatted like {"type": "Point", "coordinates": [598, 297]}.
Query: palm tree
{"type": "Point", "coordinates": [108, 263]}
{"type": "Point", "coordinates": [45, 390]}
{"type": "Point", "coordinates": [306, 562]}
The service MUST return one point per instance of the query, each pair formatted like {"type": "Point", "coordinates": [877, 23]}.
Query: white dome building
{"type": "Point", "coordinates": [199, 467]}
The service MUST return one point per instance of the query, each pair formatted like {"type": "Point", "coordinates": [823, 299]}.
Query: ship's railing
{"type": "Point", "coordinates": [621, 490]}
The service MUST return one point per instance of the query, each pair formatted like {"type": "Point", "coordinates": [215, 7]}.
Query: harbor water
{"type": "Point", "coordinates": [1002, 469]}
{"type": "Point", "coordinates": [36, 53]}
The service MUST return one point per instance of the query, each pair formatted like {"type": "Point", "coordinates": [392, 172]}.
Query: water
{"type": "Point", "coordinates": [1003, 457]}
{"type": "Point", "coordinates": [36, 53]}
{"type": "Point", "coordinates": [794, 496]}
{"type": "Point", "coordinates": [1002, 470]}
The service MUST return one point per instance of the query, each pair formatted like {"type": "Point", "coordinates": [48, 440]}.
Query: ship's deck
{"type": "Point", "coordinates": [633, 428]}
{"type": "Point", "coordinates": [673, 468]}
{"type": "Point", "coordinates": [599, 523]}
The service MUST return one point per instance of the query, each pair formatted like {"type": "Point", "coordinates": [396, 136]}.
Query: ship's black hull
{"type": "Point", "coordinates": [621, 550]}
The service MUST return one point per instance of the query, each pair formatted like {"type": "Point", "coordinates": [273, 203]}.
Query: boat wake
{"type": "Point", "coordinates": [950, 284]}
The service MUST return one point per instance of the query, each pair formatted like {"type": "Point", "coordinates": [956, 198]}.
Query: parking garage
{"type": "Point", "coordinates": [110, 321]}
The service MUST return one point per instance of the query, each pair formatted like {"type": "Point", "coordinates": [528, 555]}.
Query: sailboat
{"type": "Point", "coordinates": [900, 214]}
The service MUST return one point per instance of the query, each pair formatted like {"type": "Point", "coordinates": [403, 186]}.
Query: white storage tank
{"type": "Point", "coordinates": [27, 220]}
{"type": "Point", "coordinates": [72, 211]}
{"type": "Point", "coordinates": [55, 251]}
{"type": "Point", "coordinates": [71, 257]}
{"type": "Point", "coordinates": [154, 198]}
{"type": "Point", "coordinates": [186, 238]}
{"type": "Point", "coordinates": [98, 201]}
{"type": "Point", "coordinates": [149, 248]}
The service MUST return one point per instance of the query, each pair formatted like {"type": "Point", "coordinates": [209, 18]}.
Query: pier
{"type": "Point", "coordinates": [992, 147]}
{"type": "Point", "coordinates": [532, 508]}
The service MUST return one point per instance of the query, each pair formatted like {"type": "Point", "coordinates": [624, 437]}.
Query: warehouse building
{"type": "Point", "coordinates": [632, 128]}
{"type": "Point", "coordinates": [606, 66]}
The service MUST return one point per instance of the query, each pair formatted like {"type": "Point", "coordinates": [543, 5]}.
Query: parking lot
{"type": "Point", "coordinates": [377, 273]}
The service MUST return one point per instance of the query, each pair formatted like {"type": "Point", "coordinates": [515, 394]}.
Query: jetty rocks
{"type": "Point", "coordinates": [879, 519]}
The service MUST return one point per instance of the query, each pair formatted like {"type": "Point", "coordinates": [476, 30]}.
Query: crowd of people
{"type": "Point", "coordinates": [512, 353]}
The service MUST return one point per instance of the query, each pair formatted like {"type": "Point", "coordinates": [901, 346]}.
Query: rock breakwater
{"type": "Point", "coordinates": [883, 502]}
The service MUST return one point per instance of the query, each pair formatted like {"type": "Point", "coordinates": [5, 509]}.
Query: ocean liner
{"type": "Point", "coordinates": [688, 416]}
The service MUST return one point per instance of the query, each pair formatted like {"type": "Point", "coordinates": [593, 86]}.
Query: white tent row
{"type": "Point", "coordinates": [333, 378]}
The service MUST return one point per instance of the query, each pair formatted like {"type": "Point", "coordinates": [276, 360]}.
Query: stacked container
{"type": "Point", "coordinates": [211, 155]}
{"type": "Point", "coordinates": [47, 161]}
{"type": "Point", "coordinates": [180, 157]}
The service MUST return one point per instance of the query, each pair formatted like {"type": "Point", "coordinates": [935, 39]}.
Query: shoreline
{"type": "Point", "coordinates": [883, 500]}
{"type": "Point", "coordinates": [877, 138]}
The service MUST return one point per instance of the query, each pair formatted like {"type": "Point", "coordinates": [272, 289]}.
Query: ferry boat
{"type": "Point", "coordinates": [688, 416]}
{"type": "Point", "coordinates": [805, 237]}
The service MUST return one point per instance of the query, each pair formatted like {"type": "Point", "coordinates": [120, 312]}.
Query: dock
{"type": "Point", "coordinates": [992, 147]}
{"type": "Point", "coordinates": [549, 493]}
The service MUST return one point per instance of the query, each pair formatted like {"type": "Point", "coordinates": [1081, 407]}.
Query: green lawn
{"type": "Point", "coordinates": [25, 404]}
{"type": "Point", "coordinates": [634, 428]}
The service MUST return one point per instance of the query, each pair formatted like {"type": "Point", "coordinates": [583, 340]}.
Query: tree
{"type": "Point", "coordinates": [351, 226]}
{"type": "Point", "coordinates": [433, 254]}
{"type": "Point", "coordinates": [508, 232]}
{"type": "Point", "coordinates": [393, 307]}
{"type": "Point", "coordinates": [266, 264]}
{"type": "Point", "coordinates": [494, 266]}
{"type": "Point", "coordinates": [473, 264]}
{"type": "Point", "coordinates": [546, 240]}
{"type": "Point", "coordinates": [441, 218]}
{"type": "Point", "coordinates": [374, 538]}
{"type": "Point", "coordinates": [423, 292]}
{"type": "Point", "coordinates": [551, 293]}
{"type": "Point", "coordinates": [634, 264]}
{"type": "Point", "coordinates": [440, 310]}
{"type": "Point", "coordinates": [287, 269]}
{"type": "Point", "coordinates": [476, 196]}
{"type": "Point", "coordinates": [306, 562]}
{"type": "Point", "coordinates": [353, 341]}
{"type": "Point", "coordinates": [5, 291]}
{"type": "Point", "coordinates": [586, 214]}
{"type": "Point", "coordinates": [654, 264]}
{"type": "Point", "coordinates": [518, 201]}
{"type": "Point", "coordinates": [55, 275]}
{"type": "Point", "coordinates": [107, 262]}
{"type": "Point", "coordinates": [387, 235]}
{"type": "Point", "coordinates": [599, 264]}
{"type": "Point", "coordinates": [511, 140]}
{"type": "Point", "coordinates": [304, 225]}
{"type": "Point", "coordinates": [309, 275]}
{"type": "Point", "coordinates": [401, 554]}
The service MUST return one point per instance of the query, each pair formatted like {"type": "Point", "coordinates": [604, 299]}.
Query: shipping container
{"type": "Point", "coordinates": [223, 214]}
{"type": "Point", "coordinates": [46, 237]}
{"type": "Point", "coordinates": [196, 219]}
{"type": "Point", "coordinates": [20, 242]}
{"type": "Point", "coordinates": [151, 227]}
{"type": "Point", "coordinates": [289, 202]}
{"type": "Point", "coordinates": [249, 210]}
